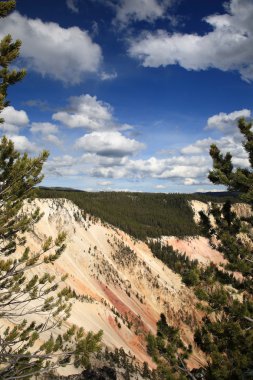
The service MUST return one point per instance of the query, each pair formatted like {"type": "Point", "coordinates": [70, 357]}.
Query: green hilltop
{"type": "Point", "coordinates": [141, 215]}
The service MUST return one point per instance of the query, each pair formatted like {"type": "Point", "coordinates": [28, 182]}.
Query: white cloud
{"type": "Point", "coordinates": [109, 144]}
{"type": "Point", "coordinates": [47, 131]}
{"type": "Point", "coordinates": [44, 128]}
{"type": "Point", "coordinates": [104, 183]}
{"type": "Point", "coordinates": [175, 169]}
{"type": "Point", "coordinates": [93, 159]}
{"type": "Point", "coordinates": [227, 47]}
{"type": "Point", "coordinates": [13, 119]}
{"type": "Point", "coordinates": [23, 144]}
{"type": "Point", "coordinates": [184, 172]}
{"type": "Point", "coordinates": [172, 168]}
{"type": "Point", "coordinates": [62, 166]}
{"type": "Point", "coordinates": [65, 54]}
{"type": "Point", "coordinates": [85, 111]}
{"type": "Point", "coordinates": [229, 143]}
{"type": "Point", "coordinates": [190, 181]}
{"type": "Point", "coordinates": [233, 145]}
{"type": "Point", "coordinates": [108, 76]}
{"type": "Point", "coordinates": [63, 161]}
{"type": "Point", "coordinates": [194, 181]}
{"type": "Point", "coordinates": [141, 10]}
{"type": "Point", "coordinates": [200, 146]}
{"type": "Point", "coordinates": [227, 123]}
{"type": "Point", "coordinates": [108, 154]}
{"type": "Point", "coordinates": [52, 139]}
{"type": "Point", "coordinates": [160, 187]}
{"type": "Point", "coordinates": [73, 5]}
{"type": "Point", "coordinates": [109, 172]}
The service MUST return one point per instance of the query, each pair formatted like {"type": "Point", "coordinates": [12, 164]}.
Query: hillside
{"type": "Point", "coordinates": [122, 287]}
{"type": "Point", "coordinates": [141, 215]}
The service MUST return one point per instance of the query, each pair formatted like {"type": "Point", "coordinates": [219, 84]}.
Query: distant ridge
{"type": "Point", "coordinates": [57, 188]}
{"type": "Point", "coordinates": [222, 194]}
{"type": "Point", "coordinates": [141, 215]}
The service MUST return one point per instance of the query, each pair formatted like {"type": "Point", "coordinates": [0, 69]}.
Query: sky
{"type": "Point", "coordinates": [128, 95]}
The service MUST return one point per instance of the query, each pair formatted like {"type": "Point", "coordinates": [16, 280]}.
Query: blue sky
{"type": "Point", "coordinates": [129, 94]}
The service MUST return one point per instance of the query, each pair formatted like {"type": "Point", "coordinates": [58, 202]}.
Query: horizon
{"type": "Point", "coordinates": [57, 188]}
{"type": "Point", "coordinates": [128, 96]}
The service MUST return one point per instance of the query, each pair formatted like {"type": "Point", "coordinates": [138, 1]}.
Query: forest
{"type": "Point", "coordinates": [141, 215]}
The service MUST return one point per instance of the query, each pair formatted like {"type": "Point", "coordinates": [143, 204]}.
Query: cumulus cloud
{"type": "Point", "coordinates": [22, 144]}
{"type": "Point", "coordinates": [109, 144]}
{"type": "Point", "coordinates": [191, 171]}
{"type": "Point", "coordinates": [227, 122]}
{"type": "Point", "coordinates": [65, 54]}
{"type": "Point", "coordinates": [85, 111]}
{"type": "Point", "coordinates": [200, 146]}
{"type": "Point", "coordinates": [73, 5]}
{"type": "Point", "coordinates": [141, 10]}
{"type": "Point", "coordinates": [47, 131]}
{"type": "Point", "coordinates": [94, 159]}
{"type": "Point", "coordinates": [226, 144]}
{"type": "Point", "coordinates": [171, 168]}
{"type": "Point", "coordinates": [13, 119]}
{"type": "Point", "coordinates": [109, 155]}
{"type": "Point", "coordinates": [231, 141]}
{"type": "Point", "coordinates": [184, 171]}
{"type": "Point", "coordinates": [233, 145]}
{"type": "Point", "coordinates": [228, 46]}
{"type": "Point", "coordinates": [52, 139]}
{"type": "Point", "coordinates": [62, 166]}
{"type": "Point", "coordinates": [44, 128]}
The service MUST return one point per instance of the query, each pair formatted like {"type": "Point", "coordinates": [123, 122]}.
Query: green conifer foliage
{"type": "Point", "coordinates": [26, 294]}
{"type": "Point", "coordinates": [227, 337]}
{"type": "Point", "coordinates": [6, 7]}
{"type": "Point", "coordinates": [9, 51]}
{"type": "Point", "coordinates": [223, 173]}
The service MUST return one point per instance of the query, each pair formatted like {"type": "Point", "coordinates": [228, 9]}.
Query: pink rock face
{"type": "Point", "coordinates": [196, 248]}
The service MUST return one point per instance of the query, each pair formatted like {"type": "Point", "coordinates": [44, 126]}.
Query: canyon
{"type": "Point", "coordinates": [121, 287]}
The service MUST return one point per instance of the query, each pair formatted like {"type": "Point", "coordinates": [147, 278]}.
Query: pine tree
{"type": "Point", "coordinates": [24, 294]}
{"type": "Point", "coordinates": [227, 337]}
{"type": "Point", "coordinates": [223, 173]}
{"type": "Point", "coordinates": [9, 51]}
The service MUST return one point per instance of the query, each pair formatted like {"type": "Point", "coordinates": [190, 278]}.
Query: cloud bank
{"type": "Point", "coordinates": [228, 47]}
{"type": "Point", "coordinates": [65, 54]}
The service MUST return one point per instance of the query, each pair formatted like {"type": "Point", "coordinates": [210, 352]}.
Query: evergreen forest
{"type": "Point", "coordinates": [141, 215]}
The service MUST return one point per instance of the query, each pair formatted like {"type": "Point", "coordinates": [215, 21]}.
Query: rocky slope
{"type": "Point", "coordinates": [242, 210]}
{"type": "Point", "coordinates": [124, 287]}
{"type": "Point", "coordinates": [198, 247]}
